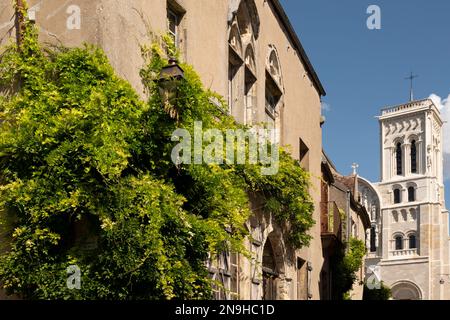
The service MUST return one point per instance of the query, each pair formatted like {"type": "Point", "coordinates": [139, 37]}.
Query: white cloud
{"type": "Point", "coordinates": [444, 106]}
{"type": "Point", "coordinates": [326, 107]}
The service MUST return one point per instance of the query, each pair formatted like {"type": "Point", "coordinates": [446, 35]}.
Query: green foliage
{"type": "Point", "coordinates": [346, 265]}
{"type": "Point", "coordinates": [79, 150]}
{"type": "Point", "coordinates": [384, 293]}
{"type": "Point", "coordinates": [285, 194]}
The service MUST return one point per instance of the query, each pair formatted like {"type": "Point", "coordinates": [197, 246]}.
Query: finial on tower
{"type": "Point", "coordinates": [411, 89]}
{"type": "Point", "coordinates": [355, 166]}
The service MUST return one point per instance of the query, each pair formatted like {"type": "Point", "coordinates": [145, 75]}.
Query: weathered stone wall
{"type": "Point", "coordinates": [120, 27]}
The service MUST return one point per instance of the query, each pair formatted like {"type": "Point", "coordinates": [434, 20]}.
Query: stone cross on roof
{"type": "Point", "coordinates": [355, 166]}
{"type": "Point", "coordinates": [411, 92]}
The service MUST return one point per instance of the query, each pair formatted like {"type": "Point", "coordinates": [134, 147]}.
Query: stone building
{"type": "Point", "coordinates": [408, 239]}
{"type": "Point", "coordinates": [342, 218]}
{"type": "Point", "coordinates": [248, 52]}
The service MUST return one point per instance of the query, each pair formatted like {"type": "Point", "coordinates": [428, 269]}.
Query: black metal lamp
{"type": "Point", "coordinates": [171, 71]}
{"type": "Point", "coordinates": [168, 82]}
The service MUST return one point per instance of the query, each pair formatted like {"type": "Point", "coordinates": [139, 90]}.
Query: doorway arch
{"type": "Point", "coordinates": [406, 290]}
{"type": "Point", "coordinates": [270, 272]}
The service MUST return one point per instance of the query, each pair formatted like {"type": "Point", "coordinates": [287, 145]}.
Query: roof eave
{"type": "Point", "coordinates": [298, 46]}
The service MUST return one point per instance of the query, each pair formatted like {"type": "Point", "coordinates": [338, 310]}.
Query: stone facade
{"type": "Point", "coordinates": [408, 240]}
{"type": "Point", "coordinates": [245, 50]}
{"type": "Point", "coordinates": [342, 218]}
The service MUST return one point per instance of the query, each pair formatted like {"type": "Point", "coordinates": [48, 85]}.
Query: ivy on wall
{"type": "Point", "coordinates": [87, 180]}
{"type": "Point", "coordinates": [346, 264]}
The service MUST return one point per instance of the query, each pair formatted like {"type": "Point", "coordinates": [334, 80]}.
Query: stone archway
{"type": "Point", "coordinates": [406, 290]}
{"type": "Point", "coordinates": [274, 267]}
{"type": "Point", "coordinates": [270, 272]}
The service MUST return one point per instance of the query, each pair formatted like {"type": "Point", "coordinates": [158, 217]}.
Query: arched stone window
{"type": "Point", "coordinates": [397, 195]}
{"type": "Point", "coordinates": [274, 92]}
{"type": "Point", "coordinates": [250, 85]}
{"type": "Point", "coordinates": [411, 194]}
{"type": "Point", "coordinates": [374, 211]}
{"type": "Point", "coordinates": [412, 241]}
{"type": "Point", "coordinates": [398, 242]}
{"type": "Point", "coordinates": [405, 290]}
{"type": "Point", "coordinates": [234, 39]}
{"type": "Point", "coordinates": [399, 158]}
{"type": "Point", "coordinates": [270, 274]}
{"type": "Point", "coordinates": [413, 157]}
{"type": "Point", "coordinates": [244, 24]}
{"type": "Point", "coordinates": [246, 14]}
{"type": "Point", "coordinates": [373, 245]}
{"type": "Point", "coordinates": [273, 66]}
{"type": "Point", "coordinates": [235, 62]}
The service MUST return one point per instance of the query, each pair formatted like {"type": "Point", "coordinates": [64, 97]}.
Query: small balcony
{"type": "Point", "coordinates": [405, 253]}
{"type": "Point", "coordinates": [330, 223]}
{"type": "Point", "coordinates": [404, 248]}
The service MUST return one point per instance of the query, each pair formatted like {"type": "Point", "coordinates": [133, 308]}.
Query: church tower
{"type": "Point", "coordinates": [409, 239]}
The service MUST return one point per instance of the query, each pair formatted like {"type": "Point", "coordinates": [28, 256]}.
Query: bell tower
{"type": "Point", "coordinates": [414, 222]}
{"type": "Point", "coordinates": [411, 145]}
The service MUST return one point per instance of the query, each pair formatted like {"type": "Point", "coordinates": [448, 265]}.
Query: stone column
{"type": "Point", "coordinates": [407, 158]}
{"type": "Point", "coordinates": [386, 234]}
{"type": "Point", "coordinates": [389, 167]}
{"type": "Point", "coordinates": [420, 156]}
{"type": "Point", "coordinates": [405, 148]}
{"type": "Point", "coordinates": [283, 293]}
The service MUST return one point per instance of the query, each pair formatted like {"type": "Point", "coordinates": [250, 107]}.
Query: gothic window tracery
{"type": "Point", "coordinates": [244, 30]}
{"type": "Point", "coordinates": [274, 92]}
{"type": "Point", "coordinates": [250, 85]}
{"type": "Point", "coordinates": [234, 64]}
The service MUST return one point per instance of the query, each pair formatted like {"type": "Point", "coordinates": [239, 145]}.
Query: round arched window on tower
{"type": "Point", "coordinates": [411, 194]}
{"type": "Point", "coordinates": [398, 242]}
{"type": "Point", "coordinates": [397, 196]}
{"type": "Point", "coordinates": [413, 157]}
{"type": "Point", "coordinates": [412, 241]}
{"type": "Point", "coordinates": [399, 159]}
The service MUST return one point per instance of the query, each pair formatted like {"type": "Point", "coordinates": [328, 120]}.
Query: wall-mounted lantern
{"type": "Point", "coordinates": [171, 71]}
{"type": "Point", "coordinates": [168, 83]}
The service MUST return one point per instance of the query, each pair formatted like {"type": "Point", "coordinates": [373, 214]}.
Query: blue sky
{"type": "Point", "coordinates": [363, 70]}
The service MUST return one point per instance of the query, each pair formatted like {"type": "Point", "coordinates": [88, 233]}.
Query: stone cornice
{"type": "Point", "coordinates": [410, 108]}
{"type": "Point", "coordinates": [414, 260]}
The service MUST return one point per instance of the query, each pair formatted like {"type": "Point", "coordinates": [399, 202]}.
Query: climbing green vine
{"type": "Point", "coordinates": [346, 264]}
{"type": "Point", "coordinates": [87, 180]}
